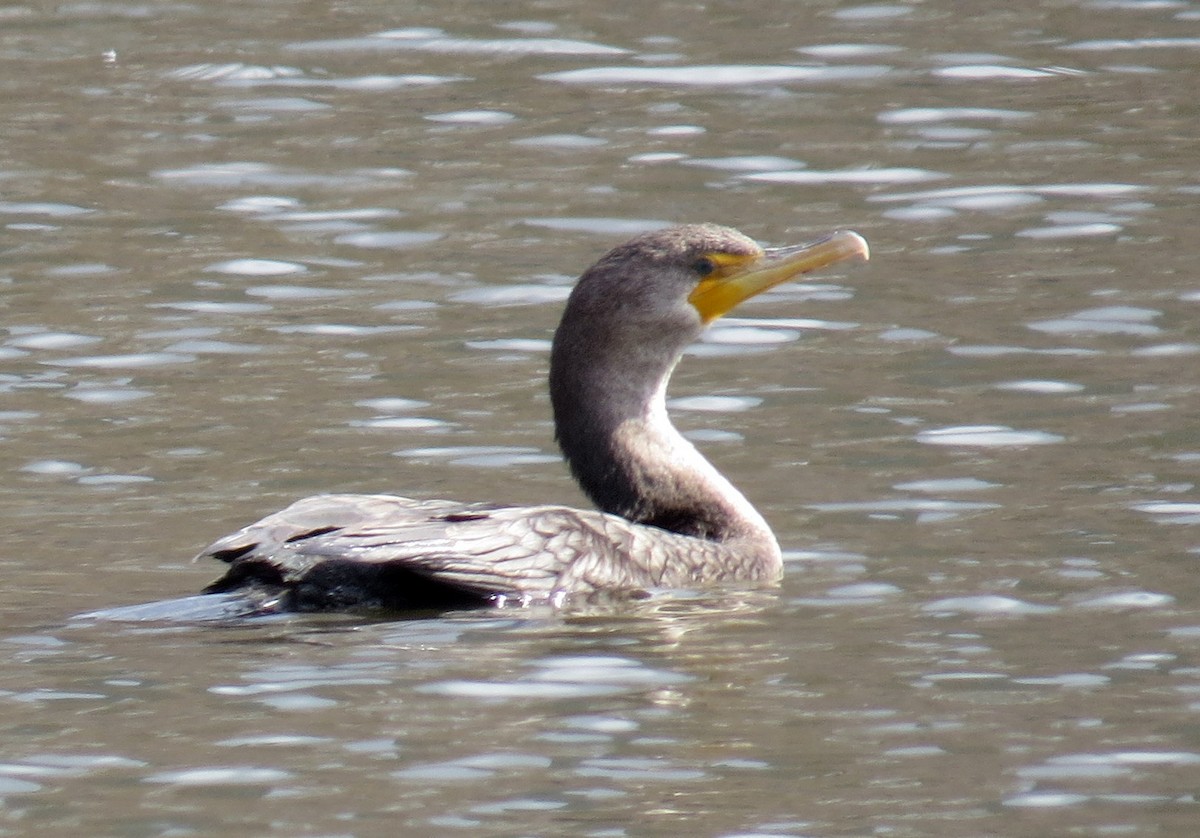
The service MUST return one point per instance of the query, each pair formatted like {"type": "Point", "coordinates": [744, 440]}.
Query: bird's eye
{"type": "Point", "coordinates": [704, 266]}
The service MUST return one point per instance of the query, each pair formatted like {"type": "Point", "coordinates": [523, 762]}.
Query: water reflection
{"type": "Point", "coordinates": [325, 253]}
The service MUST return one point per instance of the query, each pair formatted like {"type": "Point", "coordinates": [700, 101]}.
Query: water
{"type": "Point", "coordinates": [323, 250]}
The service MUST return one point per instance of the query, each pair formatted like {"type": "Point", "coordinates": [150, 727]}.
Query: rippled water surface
{"type": "Point", "coordinates": [251, 252]}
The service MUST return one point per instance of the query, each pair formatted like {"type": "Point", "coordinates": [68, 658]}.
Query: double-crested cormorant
{"type": "Point", "coordinates": [667, 519]}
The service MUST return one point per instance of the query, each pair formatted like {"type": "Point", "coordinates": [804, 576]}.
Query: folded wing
{"type": "Point", "coordinates": [337, 551]}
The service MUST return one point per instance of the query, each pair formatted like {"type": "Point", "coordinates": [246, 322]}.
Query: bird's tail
{"type": "Point", "coordinates": [202, 608]}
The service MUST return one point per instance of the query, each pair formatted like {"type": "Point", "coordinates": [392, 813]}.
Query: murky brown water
{"type": "Point", "coordinates": [257, 251]}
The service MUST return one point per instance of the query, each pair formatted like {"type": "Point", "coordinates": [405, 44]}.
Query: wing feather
{"type": "Point", "coordinates": [478, 549]}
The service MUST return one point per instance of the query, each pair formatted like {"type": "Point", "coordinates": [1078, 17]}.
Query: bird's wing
{"type": "Point", "coordinates": [487, 550]}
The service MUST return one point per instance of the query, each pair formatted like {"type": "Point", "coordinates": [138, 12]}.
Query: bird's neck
{"type": "Point", "coordinates": [612, 424]}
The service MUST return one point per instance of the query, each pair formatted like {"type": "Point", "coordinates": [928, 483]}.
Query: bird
{"type": "Point", "coordinates": [665, 517]}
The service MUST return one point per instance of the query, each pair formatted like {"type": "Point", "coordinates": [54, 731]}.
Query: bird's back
{"type": "Point", "coordinates": [384, 551]}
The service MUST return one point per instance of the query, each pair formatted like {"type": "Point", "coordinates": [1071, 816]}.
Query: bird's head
{"type": "Point", "coordinates": [666, 286]}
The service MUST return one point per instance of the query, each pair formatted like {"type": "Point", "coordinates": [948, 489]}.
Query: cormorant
{"type": "Point", "coordinates": [667, 518]}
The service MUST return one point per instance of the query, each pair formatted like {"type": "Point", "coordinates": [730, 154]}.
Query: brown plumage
{"type": "Point", "coordinates": [667, 518]}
